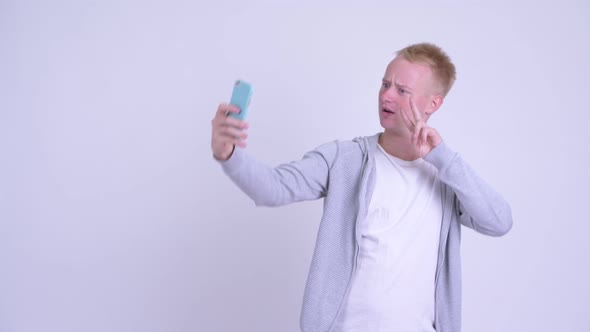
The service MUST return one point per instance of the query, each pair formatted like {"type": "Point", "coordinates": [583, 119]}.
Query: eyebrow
{"type": "Point", "coordinates": [397, 84]}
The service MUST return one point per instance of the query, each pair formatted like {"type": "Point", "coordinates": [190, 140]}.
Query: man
{"type": "Point", "coordinates": [387, 250]}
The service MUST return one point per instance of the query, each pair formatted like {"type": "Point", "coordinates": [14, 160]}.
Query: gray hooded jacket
{"type": "Point", "coordinates": [343, 173]}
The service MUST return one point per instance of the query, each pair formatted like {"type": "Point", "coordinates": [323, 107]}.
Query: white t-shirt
{"type": "Point", "coordinates": [393, 288]}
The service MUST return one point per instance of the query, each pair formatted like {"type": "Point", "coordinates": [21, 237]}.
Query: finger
{"type": "Point", "coordinates": [224, 109]}
{"type": "Point", "coordinates": [433, 137]}
{"type": "Point", "coordinates": [407, 121]}
{"type": "Point", "coordinates": [223, 120]}
{"type": "Point", "coordinates": [241, 143]}
{"type": "Point", "coordinates": [417, 115]}
{"type": "Point", "coordinates": [233, 122]}
{"type": "Point", "coordinates": [228, 139]}
{"type": "Point", "coordinates": [222, 114]}
{"type": "Point", "coordinates": [231, 131]}
{"type": "Point", "coordinates": [417, 130]}
{"type": "Point", "coordinates": [427, 131]}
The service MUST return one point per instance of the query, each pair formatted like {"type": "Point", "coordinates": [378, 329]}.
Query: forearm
{"type": "Point", "coordinates": [481, 207]}
{"type": "Point", "coordinates": [284, 184]}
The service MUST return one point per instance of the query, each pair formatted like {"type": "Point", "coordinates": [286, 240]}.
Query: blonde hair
{"type": "Point", "coordinates": [440, 63]}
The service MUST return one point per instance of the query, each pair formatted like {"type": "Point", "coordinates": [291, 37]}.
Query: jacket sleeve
{"type": "Point", "coordinates": [480, 206]}
{"type": "Point", "coordinates": [305, 179]}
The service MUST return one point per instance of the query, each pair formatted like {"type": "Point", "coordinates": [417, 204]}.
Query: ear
{"type": "Point", "coordinates": [434, 104]}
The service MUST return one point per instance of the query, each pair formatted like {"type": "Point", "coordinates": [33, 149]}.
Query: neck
{"type": "Point", "coordinates": [399, 145]}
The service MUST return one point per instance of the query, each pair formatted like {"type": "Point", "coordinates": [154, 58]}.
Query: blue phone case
{"type": "Point", "coordinates": [241, 98]}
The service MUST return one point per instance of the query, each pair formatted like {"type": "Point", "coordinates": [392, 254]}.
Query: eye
{"type": "Point", "coordinates": [385, 85]}
{"type": "Point", "coordinates": [401, 91]}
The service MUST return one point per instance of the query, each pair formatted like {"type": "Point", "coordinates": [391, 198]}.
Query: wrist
{"type": "Point", "coordinates": [225, 156]}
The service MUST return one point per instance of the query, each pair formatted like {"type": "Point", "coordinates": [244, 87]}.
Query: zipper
{"type": "Point", "coordinates": [362, 207]}
{"type": "Point", "coordinates": [444, 232]}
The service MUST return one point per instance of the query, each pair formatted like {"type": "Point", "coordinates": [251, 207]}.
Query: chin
{"type": "Point", "coordinates": [387, 124]}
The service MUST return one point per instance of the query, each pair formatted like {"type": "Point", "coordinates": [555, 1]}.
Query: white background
{"type": "Point", "coordinates": [114, 216]}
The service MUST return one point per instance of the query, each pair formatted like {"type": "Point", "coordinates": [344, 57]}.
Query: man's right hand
{"type": "Point", "coordinates": [227, 132]}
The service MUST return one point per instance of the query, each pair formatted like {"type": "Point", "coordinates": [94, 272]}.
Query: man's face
{"type": "Point", "coordinates": [403, 79]}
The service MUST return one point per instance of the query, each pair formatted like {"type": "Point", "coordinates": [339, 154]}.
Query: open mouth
{"type": "Point", "coordinates": [386, 110]}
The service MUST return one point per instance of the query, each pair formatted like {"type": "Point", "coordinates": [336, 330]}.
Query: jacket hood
{"type": "Point", "coordinates": [367, 144]}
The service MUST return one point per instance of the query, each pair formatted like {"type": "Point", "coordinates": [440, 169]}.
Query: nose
{"type": "Point", "coordinates": [388, 95]}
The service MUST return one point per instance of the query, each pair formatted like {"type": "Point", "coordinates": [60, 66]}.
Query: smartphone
{"type": "Point", "coordinates": [240, 97]}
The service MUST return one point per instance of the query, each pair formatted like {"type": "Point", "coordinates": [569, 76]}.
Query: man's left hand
{"type": "Point", "coordinates": [425, 137]}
